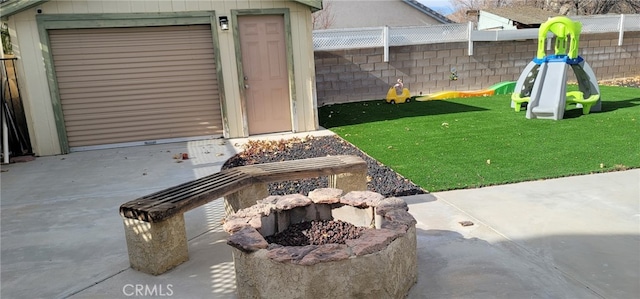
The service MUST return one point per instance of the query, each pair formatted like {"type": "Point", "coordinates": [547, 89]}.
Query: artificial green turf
{"type": "Point", "coordinates": [474, 142]}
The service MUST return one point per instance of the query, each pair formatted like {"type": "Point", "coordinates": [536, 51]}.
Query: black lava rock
{"type": "Point", "coordinates": [316, 233]}
{"type": "Point", "coordinates": [382, 179]}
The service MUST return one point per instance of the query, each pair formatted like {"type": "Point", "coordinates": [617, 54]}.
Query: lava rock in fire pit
{"type": "Point", "coordinates": [316, 233]}
{"type": "Point", "coordinates": [380, 262]}
{"type": "Point", "coordinates": [309, 223]}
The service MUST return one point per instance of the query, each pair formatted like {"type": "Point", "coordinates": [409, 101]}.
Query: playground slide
{"type": "Point", "coordinates": [505, 87]}
{"type": "Point", "coordinates": [477, 93]}
{"type": "Point", "coordinates": [499, 88]}
{"type": "Point", "coordinates": [441, 95]}
{"type": "Point", "coordinates": [548, 95]}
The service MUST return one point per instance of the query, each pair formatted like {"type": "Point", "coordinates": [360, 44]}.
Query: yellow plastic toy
{"type": "Point", "coordinates": [395, 96]}
{"type": "Point", "coordinates": [504, 87]}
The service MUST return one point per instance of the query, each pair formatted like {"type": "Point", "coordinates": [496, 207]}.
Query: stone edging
{"type": "Point", "coordinates": [387, 219]}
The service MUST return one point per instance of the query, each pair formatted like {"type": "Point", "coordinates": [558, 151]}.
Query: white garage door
{"type": "Point", "coordinates": [124, 85]}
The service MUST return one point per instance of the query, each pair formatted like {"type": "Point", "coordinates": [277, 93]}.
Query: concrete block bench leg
{"type": "Point", "coordinates": [347, 182]}
{"type": "Point", "coordinates": [155, 248]}
{"type": "Point", "coordinates": [245, 198]}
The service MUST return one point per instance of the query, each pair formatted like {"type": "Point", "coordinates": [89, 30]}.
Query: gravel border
{"type": "Point", "coordinates": [381, 179]}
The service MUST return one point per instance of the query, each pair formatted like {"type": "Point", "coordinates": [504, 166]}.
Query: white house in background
{"type": "Point", "coordinates": [510, 18]}
{"type": "Point", "coordinates": [375, 13]}
{"type": "Point", "coordinates": [104, 73]}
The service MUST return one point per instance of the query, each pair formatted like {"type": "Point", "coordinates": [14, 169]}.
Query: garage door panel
{"type": "Point", "coordinates": [183, 96]}
{"type": "Point", "coordinates": [88, 53]}
{"type": "Point", "coordinates": [136, 84]}
{"type": "Point", "coordinates": [132, 88]}
{"type": "Point", "coordinates": [121, 78]}
{"type": "Point", "coordinates": [141, 137]}
{"type": "Point", "coordinates": [118, 62]}
{"type": "Point", "coordinates": [159, 79]}
{"type": "Point", "coordinates": [111, 57]}
{"type": "Point", "coordinates": [159, 88]}
{"type": "Point", "coordinates": [182, 110]}
{"type": "Point", "coordinates": [147, 124]}
{"type": "Point", "coordinates": [131, 63]}
{"type": "Point", "coordinates": [165, 105]}
{"type": "Point", "coordinates": [101, 41]}
{"type": "Point", "coordinates": [145, 36]}
{"type": "Point", "coordinates": [170, 128]}
{"type": "Point", "coordinates": [119, 118]}
{"type": "Point", "coordinates": [105, 35]}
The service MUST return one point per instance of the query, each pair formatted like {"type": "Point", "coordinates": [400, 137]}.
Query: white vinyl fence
{"type": "Point", "coordinates": [375, 37]}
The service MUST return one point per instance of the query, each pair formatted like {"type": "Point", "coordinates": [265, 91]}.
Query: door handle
{"type": "Point", "coordinates": [246, 86]}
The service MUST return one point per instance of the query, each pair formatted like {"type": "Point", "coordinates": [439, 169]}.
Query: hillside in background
{"type": "Point", "coordinates": [563, 7]}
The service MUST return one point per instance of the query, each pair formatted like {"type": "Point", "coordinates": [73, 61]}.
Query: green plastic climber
{"type": "Point", "coordinates": [543, 82]}
{"type": "Point", "coordinates": [561, 27]}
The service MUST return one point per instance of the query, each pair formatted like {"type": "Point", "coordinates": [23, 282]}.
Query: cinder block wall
{"type": "Point", "coordinates": [356, 75]}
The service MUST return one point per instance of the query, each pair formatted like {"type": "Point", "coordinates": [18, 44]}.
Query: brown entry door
{"type": "Point", "coordinates": [266, 79]}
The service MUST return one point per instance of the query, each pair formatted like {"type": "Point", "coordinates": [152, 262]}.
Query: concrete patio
{"type": "Point", "coordinates": [62, 236]}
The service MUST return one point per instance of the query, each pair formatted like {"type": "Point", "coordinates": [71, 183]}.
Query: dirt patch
{"type": "Point", "coordinates": [625, 82]}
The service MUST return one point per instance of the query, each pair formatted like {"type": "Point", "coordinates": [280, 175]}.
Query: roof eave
{"type": "Point", "coordinates": [13, 7]}
{"type": "Point", "coordinates": [10, 7]}
{"type": "Point", "coordinates": [428, 11]}
{"type": "Point", "coordinates": [315, 5]}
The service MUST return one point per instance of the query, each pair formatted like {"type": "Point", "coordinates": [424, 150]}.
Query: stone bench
{"type": "Point", "coordinates": [154, 224]}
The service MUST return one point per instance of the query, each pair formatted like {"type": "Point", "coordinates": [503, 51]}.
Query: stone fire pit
{"type": "Point", "coordinates": [381, 263]}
